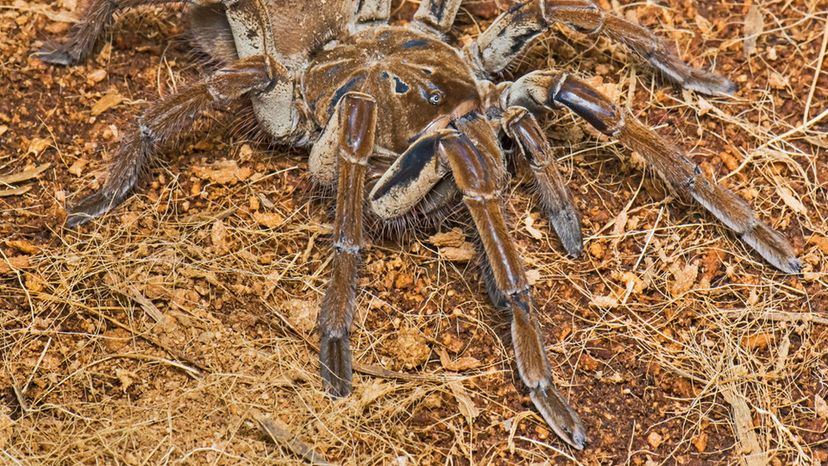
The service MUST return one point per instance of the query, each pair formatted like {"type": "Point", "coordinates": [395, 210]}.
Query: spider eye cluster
{"type": "Point", "coordinates": [435, 97]}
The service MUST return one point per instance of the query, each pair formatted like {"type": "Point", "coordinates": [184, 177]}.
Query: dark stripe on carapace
{"type": "Point", "coordinates": [344, 89]}
{"type": "Point", "coordinates": [414, 43]}
{"type": "Point", "coordinates": [400, 87]}
{"type": "Point", "coordinates": [411, 165]}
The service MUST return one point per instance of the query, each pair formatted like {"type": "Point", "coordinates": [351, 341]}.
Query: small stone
{"type": "Point", "coordinates": [655, 439]}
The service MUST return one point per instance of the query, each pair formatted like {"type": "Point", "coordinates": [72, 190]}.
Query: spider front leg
{"type": "Point", "coordinates": [370, 12]}
{"type": "Point", "coordinates": [166, 121]}
{"type": "Point", "coordinates": [475, 174]}
{"type": "Point", "coordinates": [512, 32]}
{"type": "Point", "coordinates": [356, 126]}
{"type": "Point", "coordinates": [520, 125]}
{"type": "Point", "coordinates": [544, 90]}
{"type": "Point", "coordinates": [437, 15]}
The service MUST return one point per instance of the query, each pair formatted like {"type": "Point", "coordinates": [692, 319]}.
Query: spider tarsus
{"type": "Point", "coordinates": [558, 415]}
{"type": "Point", "coordinates": [774, 247]}
{"type": "Point", "coordinates": [89, 208]}
{"type": "Point", "coordinates": [567, 226]}
{"type": "Point", "coordinates": [335, 364]}
{"type": "Point", "coordinates": [534, 371]}
{"type": "Point", "coordinates": [57, 55]}
{"type": "Point", "coordinates": [684, 75]}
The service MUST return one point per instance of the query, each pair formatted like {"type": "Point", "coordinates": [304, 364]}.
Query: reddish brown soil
{"type": "Point", "coordinates": [648, 339]}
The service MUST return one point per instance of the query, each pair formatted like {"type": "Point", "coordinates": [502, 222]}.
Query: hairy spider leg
{"type": "Point", "coordinates": [512, 32]}
{"type": "Point", "coordinates": [475, 173]}
{"type": "Point", "coordinates": [85, 33]}
{"type": "Point", "coordinates": [357, 116]}
{"type": "Point", "coordinates": [166, 121]}
{"type": "Point", "coordinates": [437, 15]}
{"type": "Point", "coordinates": [521, 126]}
{"type": "Point", "coordinates": [543, 90]}
{"type": "Point", "coordinates": [371, 12]}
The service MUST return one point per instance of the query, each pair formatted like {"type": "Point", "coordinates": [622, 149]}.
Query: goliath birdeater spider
{"type": "Point", "coordinates": [402, 123]}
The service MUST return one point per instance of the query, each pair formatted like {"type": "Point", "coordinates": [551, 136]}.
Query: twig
{"type": "Point", "coordinates": [281, 436]}
{"type": "Point", "coordinates": [817, 72]}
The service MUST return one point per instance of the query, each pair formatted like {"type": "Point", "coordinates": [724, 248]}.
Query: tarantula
{"type": "Point", "coordinates": [402, 123]}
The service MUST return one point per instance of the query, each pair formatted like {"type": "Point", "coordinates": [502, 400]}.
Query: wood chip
{"type": "Point", "coordinates": [224, 172]}
{"type": "Point", "coordinates": [111, 100]}
{"type": "Point", "coordinates": [530, 228]}
{"type": "Point", "coordinates": [15, 192]}
{"type": "Point", "coordinates": [603, 302]}
{"type": "Point", "coordinates": [218, 237]}
{"type": "Point", "coordinates": [749, 447]}
{"type": "Point", "coordinates": [655, 439]}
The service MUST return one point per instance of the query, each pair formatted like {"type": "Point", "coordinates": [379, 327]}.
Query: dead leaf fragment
{"type": "Point", "coordinates": [683, 278]}
{"type": "Point", "coordinates": [269, 219]}
{"type": "Point", "coordinates": [464, 253]}
{"type": "Point", "coordinates": [464, 402]}
{"type": "Point", "coordinates": [6, 428]}
{"type": "Point", "coordinates": [820, 242]}
{"type": "Point", "coordinates": [23, 246]}
{"type": "Point", "coordinates": [778, 80]}
{"type": "Point", "coordinates": [410, 348]}
{"type": "Point", "coordinates": [791, 201]}
{"type": "Point", "coordinates": [700, 442]}
{"type": "Point", "coordinates": [14, 263]}
{"type": "Point", "coordinates": [302, 314]}
{"type": "Point", "coordinates": [38, 145]}
{"type": "Point", "coordinates": [759, 341]}
{"type": "Point", "coordinates": [454, 238]}
{"type": "Point", "coordinates": [754, 26]}
{"type": "Point", "coordinates": [108, 101]}
{"type": "Point", "coordinates": [461, 364]}
{"type": "Point", "coordinates": [77, 167]}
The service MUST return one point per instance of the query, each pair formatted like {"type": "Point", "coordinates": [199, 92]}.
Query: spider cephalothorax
{"type": "Point", "coordinates": [398, 118]}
